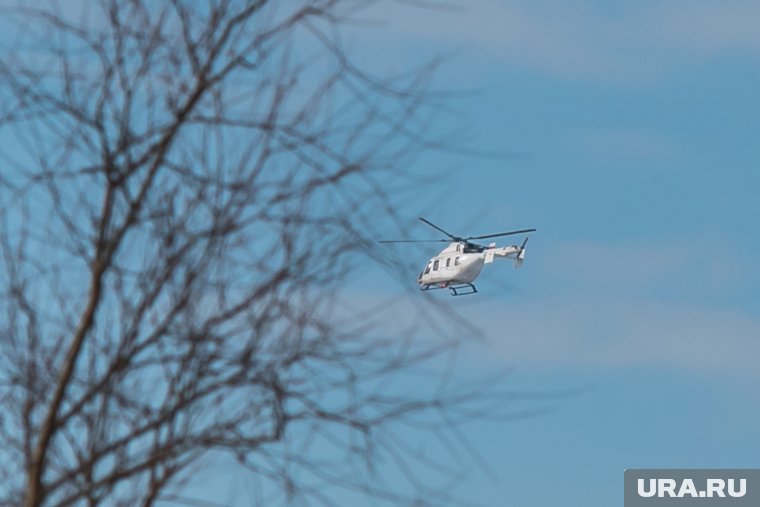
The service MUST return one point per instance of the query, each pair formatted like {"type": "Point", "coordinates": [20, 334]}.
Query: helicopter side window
{"type": "Point", "coordinates": [448, 262]}
{"type": "Point", "coordinates": [456, 261]}
{"type": "Point", "coordinates": [435, 265]}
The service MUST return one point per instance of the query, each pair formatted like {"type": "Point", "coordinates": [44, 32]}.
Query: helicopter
{"type": "Point", "coordinates": [460, 263]}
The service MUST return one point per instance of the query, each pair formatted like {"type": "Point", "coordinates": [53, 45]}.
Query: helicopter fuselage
{"type": "Point", "coordinates": [464, 268]}
{"type": "Point", "coordinates": [460, 264]}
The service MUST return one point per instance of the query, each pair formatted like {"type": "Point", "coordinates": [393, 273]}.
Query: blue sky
{"type": "Point", "coordinates": [632, 134]}
{"type": "Point", "coordinates": [633, 129]}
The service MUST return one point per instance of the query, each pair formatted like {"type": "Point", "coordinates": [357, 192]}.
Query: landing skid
{"type": "Point", "coordinates": [456, 290]}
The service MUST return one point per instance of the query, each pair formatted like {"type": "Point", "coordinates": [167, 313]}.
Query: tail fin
{"type": "Point", "coordinates": [521, 254]}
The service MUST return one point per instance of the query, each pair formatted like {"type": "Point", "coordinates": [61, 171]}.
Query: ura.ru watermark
{"type": "Point", "coordinates": [692, 487]}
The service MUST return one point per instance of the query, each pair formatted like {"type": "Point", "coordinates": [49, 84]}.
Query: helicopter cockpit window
{"type": "Point", "coordinates": [435, 265]}
{"type": "Point", "coordinates": [427, 269]}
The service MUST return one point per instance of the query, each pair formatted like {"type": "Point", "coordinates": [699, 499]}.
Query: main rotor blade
{"type": "Point", "coordinates": [415, 241]}
{"type": "Point", "coordinates": [522, 231]}
{"type": "Point", "coordinates": [431, 224]}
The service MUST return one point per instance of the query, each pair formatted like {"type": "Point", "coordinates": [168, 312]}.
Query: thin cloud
{"type": "Point", "coordinates": [596, 332]}
{"type": "Point", "coordinates": [626, 42]}
{"type": "Point", "coordinates": [644, 148]}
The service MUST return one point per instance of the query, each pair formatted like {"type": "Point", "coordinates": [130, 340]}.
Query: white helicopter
{"type": "Point", "coordinates": [460, 263]}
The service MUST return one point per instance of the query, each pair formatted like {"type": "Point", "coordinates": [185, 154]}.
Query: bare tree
{"type": "Point", "coordinates": [183, 184]}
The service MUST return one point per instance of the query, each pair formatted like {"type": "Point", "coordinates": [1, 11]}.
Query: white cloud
{"type": "Point", "coordinates": [696, 268]}
{"type": "Point", "coordinates": [602, 332]}
{"type": "Point", "coordinates": [620, 42]}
